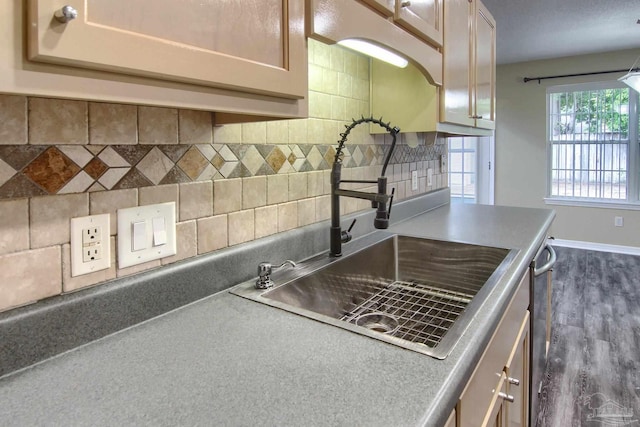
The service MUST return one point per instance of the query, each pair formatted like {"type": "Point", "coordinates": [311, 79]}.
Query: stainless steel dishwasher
{"type": "Point", "coordinates": [540, 308]}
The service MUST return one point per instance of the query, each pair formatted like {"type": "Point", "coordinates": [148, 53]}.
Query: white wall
{"type": "Point", "coordinates": [521, 146]}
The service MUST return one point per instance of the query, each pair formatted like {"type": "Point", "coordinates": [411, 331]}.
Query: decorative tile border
{"type": "Point", "coordinates": [36, 170]}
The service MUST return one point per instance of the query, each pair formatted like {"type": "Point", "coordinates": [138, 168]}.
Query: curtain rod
{"type": "Point", "coordinates": [626, 70]}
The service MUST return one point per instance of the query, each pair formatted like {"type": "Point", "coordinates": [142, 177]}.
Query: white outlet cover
{"type": "Point", "coordinates": [146, 214]}
{"type": "Point", "coordinates": [80, 224]}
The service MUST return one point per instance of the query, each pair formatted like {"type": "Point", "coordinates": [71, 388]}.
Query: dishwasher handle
{"type": "Point", "coordinates": [550, 262]}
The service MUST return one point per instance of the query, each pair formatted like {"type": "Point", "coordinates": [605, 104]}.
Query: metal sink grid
{"type": "Point", "coordinates": [423, 313]}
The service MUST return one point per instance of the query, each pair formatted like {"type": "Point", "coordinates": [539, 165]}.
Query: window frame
{"type": "Point", "coordinates": [632, 202]}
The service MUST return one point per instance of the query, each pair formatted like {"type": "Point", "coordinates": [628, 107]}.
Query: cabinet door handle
{"type": "Point", "coordinates": [66, 14]}
{"type": "Point", "coordinates": [507, 397]}
{"type": "Point", "coordinates": [513, 381]}
{"type": "Point", "coordinates": [475, 116]}
{"type": "Point", "coordinates": [405, 4]}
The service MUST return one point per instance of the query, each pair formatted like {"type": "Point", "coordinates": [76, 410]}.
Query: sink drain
{"type": "Point", "coordinates": [379, 322]}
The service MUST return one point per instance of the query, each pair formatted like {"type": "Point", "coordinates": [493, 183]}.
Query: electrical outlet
{"type": "Point", "coordinates": [618, 221]}
{"type": "Point", "coordinates": [90, 244]}
{"type": "Point", "coordinates": [429, 177]}
{"type": "Point", "coordinates": [414, 180]}
{"type": "Point", "coordinates": [443, 163]}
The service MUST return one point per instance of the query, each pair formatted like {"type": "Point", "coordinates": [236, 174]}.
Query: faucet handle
{"type": "Point", "coordinates": [345, 236]}
{"type": "Point", "coordinates": [264, 273]}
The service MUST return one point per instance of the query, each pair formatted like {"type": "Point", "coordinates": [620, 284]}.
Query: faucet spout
{"type": "Point", "coordinates": [378, 199]}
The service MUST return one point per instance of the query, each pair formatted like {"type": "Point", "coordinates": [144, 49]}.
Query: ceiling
{"type": "Point", "coordinates": [541, 29]}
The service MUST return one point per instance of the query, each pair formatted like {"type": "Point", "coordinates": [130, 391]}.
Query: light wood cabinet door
{"type": "Point", "coordinates": [386, 7]}
{"type": "Point", "coordinates": [421, 17]}
{"type": "Point", "coordinates": [469, 65]}
{"type": "Point", "coordinates": [255, 46]}
{"type": "Point", "coordinates": [517, 372]}
{"type": "Point", "coordinates": [457, 79]}
{"type": "Point", "coordinates": [495, 416]}
{"type": "Point", "coordinates": [485, 68]}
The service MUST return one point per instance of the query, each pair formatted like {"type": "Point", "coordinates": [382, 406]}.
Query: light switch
{"type": "Point", "coordinates": [138, 235]}
{"type": "Point", "coordinates": [146, 233]}
{"type": "Point", "coordinates": [159, 231]}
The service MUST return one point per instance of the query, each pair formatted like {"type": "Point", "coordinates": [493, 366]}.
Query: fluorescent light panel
{"type": "Point", "coordinates": [632, 79]}
{"type": "Point", "coordinates": [374, 51]}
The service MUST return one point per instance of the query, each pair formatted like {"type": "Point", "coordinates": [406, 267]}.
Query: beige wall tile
{"type": "Point", "coordinates": [287, 216]}
{"type": "Point", "coordinates": [363, 67]}
{"type": "Point", "coordinates": [195, 127]}
{"type": "Point", "coordinates": [58, 121]}
{"type": "Point", "coordinates": [157, 125]}
{"type": "Point", "coordinates": [298, 131]}
{"type": "Point", "coordinates": [50, 216]}
{"type": "Point", "coordinates": [329, 82]}
{"type": "Point", "coordinates": [212, 233]}
{"type": "Point", "coordinates": [351, 63]}
{"type": "Point", "coordinates": [336, 57]}
{"type": "Point", "coordinates": [339, 108]}
{"type": "Point", "coordinates": [315, 183]}
{"type": "Point", "coordinates": [134, 269]}
{"type": "Point", "coordinates": [227, 134]}
{"type": "Point", "coordinates": [315, 77]}
{"type": "Point", "coordinates": [196, 200]}
{"type": "Point", "coordinates": [241, 227]}
{"type": "Point", "coordinates": [186, 242]}
{"type": "Point", "coordinates": [30, 276]}
{"type": "Point", "coordinates": [277, 189]}
{"type": "Point", "coordinates": [306, 212]}
{"type": "Point", "coordinates": [13, 119]}
{"type": "Point", "coordinates": [266, 221]}
{"type": "Point", "coordinates": [319, 105]}
{"type": "Point", "coordinates": [110, 201]}
{"type": "Point", "coordinates": [278, 132]}
{"type": "Point", "coordinates": [70, 284]}
{"type": "Point", "coordinates": [14, 226]}
{"type": "Point", "coordinates": [254, 133]}
{"type": "Point", "coordinates": [297, 186]}
{"type": "Point", "coordinates": [112, 123]}
{"type": "Point", "coordinates": [227, 195]}
{"type": "Point", "coordinates": [323, 208]}
{"type": "Point", "coordinates": [327, 181]}
{"type": "Point", "coordinates": [254, 192]}
{"type": "Point", "coordinates": [158, 194]}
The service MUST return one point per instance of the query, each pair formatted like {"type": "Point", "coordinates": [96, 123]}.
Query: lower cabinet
{"type": "Point", "coordinates": [498, 392]}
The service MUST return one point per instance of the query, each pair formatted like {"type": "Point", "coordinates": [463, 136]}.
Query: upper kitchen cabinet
{"type": "Point", "coordinates": [468, 92]}
{"type": "Point", "coordinates": [244, 60]}
{"type": "Point", "coordinates": [423, 18]}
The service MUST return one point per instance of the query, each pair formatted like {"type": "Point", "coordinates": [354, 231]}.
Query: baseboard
{"type": "Point", "coordinates": [602, 247]}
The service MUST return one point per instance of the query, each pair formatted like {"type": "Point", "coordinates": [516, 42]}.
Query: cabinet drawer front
{"type": "Point", "coordinates": [252, 46]}
{"type": "Point", "coordinates": [478, 395]}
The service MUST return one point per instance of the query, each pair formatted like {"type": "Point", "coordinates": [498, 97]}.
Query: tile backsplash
{"type": "Point", "coordinates": [61, 159]}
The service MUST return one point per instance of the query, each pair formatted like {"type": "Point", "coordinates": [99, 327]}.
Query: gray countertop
{"type": "Point", "coordinates": [225, 360]}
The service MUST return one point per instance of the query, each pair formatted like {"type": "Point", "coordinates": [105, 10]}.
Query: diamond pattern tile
{"type": "Point", "coordinates": [95, 168]}
{"type": "Point", "coordinates": [193, 163]}
{"type": "Point", "coordinates": [252, 160]}
{"type": "Point", "coordinates": [32, 170]}
{"type": "Point", "coordinates": [155, 165]}
{"type": "Point", "coordinates": [6, 172]}
{"type": "Point", "coordinates": [276, 159]}
{"type": "Point", "coordinates": [51, 170]}
{"type": "Point", "coordinates": [112, 159]}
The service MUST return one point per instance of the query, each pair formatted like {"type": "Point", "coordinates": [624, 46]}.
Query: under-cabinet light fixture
{"type": "Point", "coordinates": [374, 51]}
{"type": "Point", "coordinates": [632, 78]}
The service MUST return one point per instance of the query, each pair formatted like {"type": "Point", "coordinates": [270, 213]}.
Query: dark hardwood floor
{"type": "Point", "coordinates": [592, 376]}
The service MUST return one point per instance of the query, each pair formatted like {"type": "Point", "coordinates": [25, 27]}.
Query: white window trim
{"type": "Point", "coordinates": [633, 170]}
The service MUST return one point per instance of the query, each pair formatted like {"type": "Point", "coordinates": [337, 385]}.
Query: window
{"type": "Point", "coordinates": [462, 169]}
{"type": "Point", "coordinates": [593, 138]}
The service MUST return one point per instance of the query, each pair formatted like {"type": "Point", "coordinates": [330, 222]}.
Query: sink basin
{"type": "Point", "coordinates": [419, 294]}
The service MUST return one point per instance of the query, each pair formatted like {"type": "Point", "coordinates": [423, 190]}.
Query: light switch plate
{"type": "Point", "coordinates": [142, 247]}
{"type": "Point", "coordinates": [90, 244]}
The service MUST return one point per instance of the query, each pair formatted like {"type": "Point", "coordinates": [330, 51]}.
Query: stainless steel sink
{"type": "Point", "coordinates": [419, 294]}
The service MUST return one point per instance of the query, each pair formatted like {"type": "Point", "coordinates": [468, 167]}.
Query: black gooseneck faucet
{"type": "Point", "coordinates": [378, 200]}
